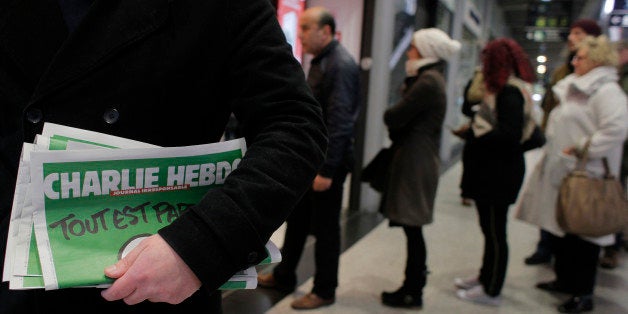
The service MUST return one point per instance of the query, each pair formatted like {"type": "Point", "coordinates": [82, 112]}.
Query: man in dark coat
{"type": "Point", "coordinates": [169, 73]}
{"type": "Point", "coordinates": [334, 79]}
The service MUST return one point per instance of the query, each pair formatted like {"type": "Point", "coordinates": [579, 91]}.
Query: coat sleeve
{"type": "Point", "coordinates": [286, 140]}
{"type": "Point", "coordinates": [424, 92]}
{"type": "Point", "coordinates": [9, 159]}
{"type": "Point", "coordinates": [610, 108]}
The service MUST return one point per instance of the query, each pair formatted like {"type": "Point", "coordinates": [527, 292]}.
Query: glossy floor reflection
{"type": "Point", "coordinates": [374, 262]}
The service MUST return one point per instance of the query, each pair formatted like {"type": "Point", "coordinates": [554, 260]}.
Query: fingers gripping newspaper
{"type": "Point", "coordinates": [84, 199]}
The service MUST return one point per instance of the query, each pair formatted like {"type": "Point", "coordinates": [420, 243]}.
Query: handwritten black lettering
{"type": "Point", "coordinates": [119, 219]}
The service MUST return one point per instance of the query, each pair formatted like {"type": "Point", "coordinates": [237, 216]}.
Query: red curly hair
{"type": "Point", "coordinates": [501, 58]}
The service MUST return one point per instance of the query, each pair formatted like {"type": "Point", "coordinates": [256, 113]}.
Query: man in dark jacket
{"type": "Point", "coordinates": [160, 72]}
{"type": "Point", "coordinates": [334, 79]}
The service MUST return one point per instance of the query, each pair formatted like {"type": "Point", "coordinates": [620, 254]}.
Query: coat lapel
{"type": "Point", "coordinates": [109, 26]}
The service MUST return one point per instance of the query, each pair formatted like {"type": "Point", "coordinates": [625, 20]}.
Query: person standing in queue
{"type": "Point", "coordinates": [577, 32]}
{"type": "Point", "coordinates": [105, 66]}
{"type": "Point", "coordinates": [593, 108]}
{"type": "Point", "coordinates": [334, 79]}
{"type": "Point", "coordinates": [494, 162]}
{"type": "Point", "coordinates": [415, 125]}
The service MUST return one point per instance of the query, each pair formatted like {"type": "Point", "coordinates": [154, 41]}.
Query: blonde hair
{"type": "Point", "coordinates": [600, 50]}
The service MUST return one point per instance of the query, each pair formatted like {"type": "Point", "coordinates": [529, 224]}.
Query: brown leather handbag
{"type": "Point", "coordinates": [591, 206]}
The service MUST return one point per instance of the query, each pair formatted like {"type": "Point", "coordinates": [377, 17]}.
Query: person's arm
{"type": "Point", "coordinates": [286, 139]}
{"type": "Point", "coordinates": [610, 107]}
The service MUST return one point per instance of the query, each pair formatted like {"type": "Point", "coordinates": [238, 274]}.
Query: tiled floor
{"type": "Point", "coordinates": [375, 263]}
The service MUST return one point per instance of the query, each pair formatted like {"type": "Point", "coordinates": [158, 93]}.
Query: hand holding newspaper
{"type": "Point", "coordinates": [89, 207]}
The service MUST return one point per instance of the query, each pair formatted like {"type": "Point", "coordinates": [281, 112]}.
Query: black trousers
{"type": "Point", "coordinates": [546, 243]}
{"type": "Point", "coordinates": [576, 264]}
{"type": "Point", "coordinates": [493, 219]}
{"type": "Point", "coordinates": [318, 213]}
{"type": "Point", "coordinates": [416, 262]}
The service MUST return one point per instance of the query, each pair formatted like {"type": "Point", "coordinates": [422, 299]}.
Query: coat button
{"type": "Point", "coordinates": [252, 258]}
{"type": "Point", "coordinates": [111, 116]}
{"type": "Point", "coordinates": [34, 115]}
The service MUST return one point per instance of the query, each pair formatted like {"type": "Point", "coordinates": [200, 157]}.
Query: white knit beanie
{"type": "Point", "coordinates": [434, 43]}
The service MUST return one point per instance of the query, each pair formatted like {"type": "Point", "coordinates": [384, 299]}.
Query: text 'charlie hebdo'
{"type": "Point", "coordinates": [63, 185]}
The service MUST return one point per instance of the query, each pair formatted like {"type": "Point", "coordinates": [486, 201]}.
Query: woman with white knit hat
{"type": "Point", "coordinates": [415, 126]}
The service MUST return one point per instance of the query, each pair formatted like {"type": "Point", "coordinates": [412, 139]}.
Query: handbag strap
{"type": "Point", "coordinates": [582, 161]}
{"type": "Point", "coordinates": [607, 171]}
{"type": "Point", "coordinates": [584, 157]}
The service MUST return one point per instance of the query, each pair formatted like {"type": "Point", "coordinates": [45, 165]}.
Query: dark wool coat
{"type": "Point", "coordinates": [493, 164]}
{"type": "Point", "coordinates": [415, 127]}
{"type": "Point", "coordinates": [166, 72]}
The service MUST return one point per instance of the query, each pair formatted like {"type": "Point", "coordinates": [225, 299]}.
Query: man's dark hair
{"type": "Point", "coordinates": [327, 19]}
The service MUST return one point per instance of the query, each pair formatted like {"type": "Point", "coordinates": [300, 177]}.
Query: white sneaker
{"type": "Point", "coordinates": [467, 283]}
{"type": "Point", "coordinates": [476, 294]}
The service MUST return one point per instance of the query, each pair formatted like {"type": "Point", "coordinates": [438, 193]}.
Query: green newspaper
{"type": "Point", "coordinates": [92, 206]}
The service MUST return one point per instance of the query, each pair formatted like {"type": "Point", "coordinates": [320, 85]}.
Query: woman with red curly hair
{"type": "Point", "coordinates": [495, 166]}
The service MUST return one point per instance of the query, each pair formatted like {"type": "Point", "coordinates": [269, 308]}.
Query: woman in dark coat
{"type": "Point", "coordinates": [494, 163]}
{"type": "Point", "coordinates": [415, 127]}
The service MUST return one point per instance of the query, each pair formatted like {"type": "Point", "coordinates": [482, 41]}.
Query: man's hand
{"type": "Point", "coordinates": [152, 271]}
{"type": "Point", "coordinates": [321, 183]}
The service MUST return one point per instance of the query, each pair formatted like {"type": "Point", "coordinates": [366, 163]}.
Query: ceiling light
{"type": "Point", "coordinates": [541, 69]}
{"type": "Point", "coordinates": [537, 97]}
{"type": "Point", "coordinates": [608, 6]}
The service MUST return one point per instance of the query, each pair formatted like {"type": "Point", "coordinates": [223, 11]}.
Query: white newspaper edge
{"type": "Point", "coordinates": [19, 196]}
{"type": "Point", "coordinates": [52, 129]}
{"type": "Point", "coordinates": [22, 244]}
{"type": "Point", "coordinates": [274, 254]}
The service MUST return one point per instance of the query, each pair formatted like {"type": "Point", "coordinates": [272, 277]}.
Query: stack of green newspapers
{"type": "Point", "coordinates": [84, 199]}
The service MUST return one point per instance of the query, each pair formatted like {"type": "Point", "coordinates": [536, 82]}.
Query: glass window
{"type": "Point", "coordinates": [469, 60]}
{"type": "Point", "coordinates": [405, 21]}
{"type": "Point", "coordinates": [444, 18]}
{"type": "Point", "coordinates": [408, 18]}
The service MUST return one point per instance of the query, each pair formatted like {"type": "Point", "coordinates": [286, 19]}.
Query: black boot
{"type": "Point", "coordinates": [402, 298]}
{"type": "Point", "coordinates": [577, 304]}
